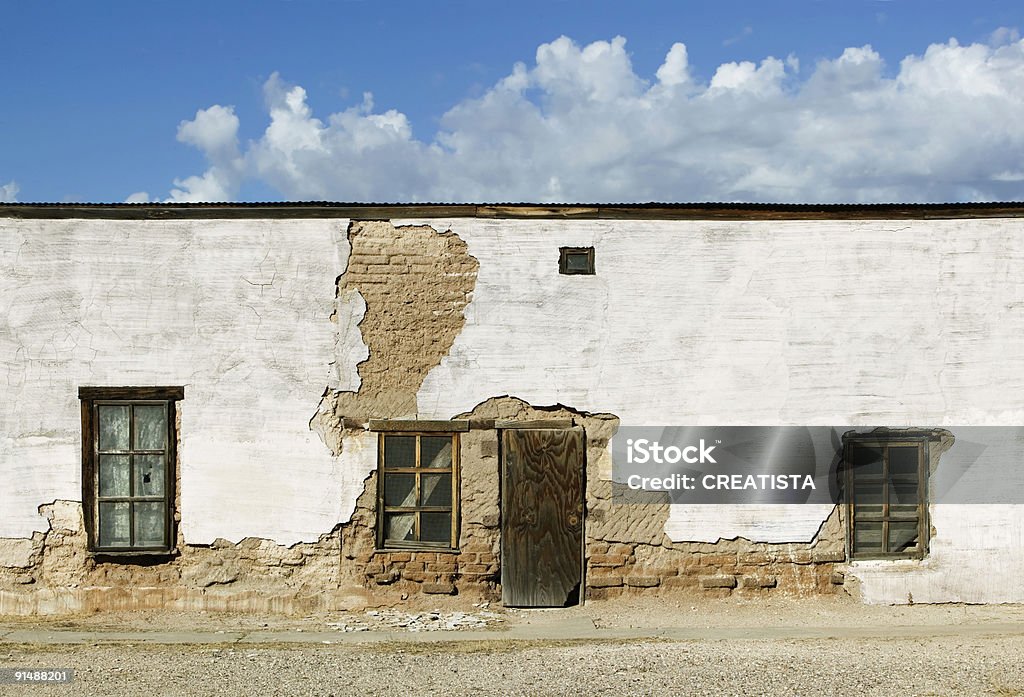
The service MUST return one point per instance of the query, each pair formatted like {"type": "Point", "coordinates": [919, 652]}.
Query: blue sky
{"type": "Point", "coordinates": [765, 101]}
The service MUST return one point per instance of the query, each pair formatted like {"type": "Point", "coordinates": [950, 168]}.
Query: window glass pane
{"type": "Point", "coordinates": [399, 451]}
{"type": "Point", "coordinates": [903, 492]}
{"type": "Point", "coordinates": [399, 526]}
{"type": "Point", "coordinates": [436, 452]}
{"type": "Point", "coordinates": [113, 427]}
{"type": "Point", "coordinates": [149, 524]}
{"type": "Point", "coordinates": [436, 489]}
{"type": "Point", "coordinates": [114, 472]}
{"type": "Point", "coordinates": [400, 490]}
{"type": "Point", "coordinates": [867, 538]}
{"type": "Point", "coordinates": [902, 536]}
{"type": "Point", "coordinates": [867, 511]}
{"type": "Point", "coordinates": [902, 512]}
{"type": "Point", "coordinates": [149, 475]}
{"type": "Point", "coordinates": [903, 460]}
{"type": "Point", "coordinates": [114, 524]}
{"type": "Point", "coordinates": [865, 460]}
{"type": "Point", "coordinates": [435, 527]}
{"type": "Point", "coordinates": [577, 262]}
{"type": "Point", "coordinates": [150, 426]}
{"type": "Point", "coordinates": [867, 492]}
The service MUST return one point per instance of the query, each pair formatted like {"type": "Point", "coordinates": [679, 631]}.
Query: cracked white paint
{"type": "Point", "coordinates": [908, 323]}
{"type": "Point", "coordinates": [236, 311]}
{"type": "Point", "coordinates": [919, 323]}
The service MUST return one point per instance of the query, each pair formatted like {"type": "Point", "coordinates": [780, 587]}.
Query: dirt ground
{"type": "Point", "coordinates": [826, 646]}
{"type": "Point", "coordinates": [680, 611]}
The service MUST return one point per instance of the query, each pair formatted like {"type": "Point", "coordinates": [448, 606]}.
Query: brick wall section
{"type": "Point", "coordinates": [416, 282]}
{"type": "Point", "coordinates": [613, 569]}
{"type": "Point", "coordinates": [435, 572]}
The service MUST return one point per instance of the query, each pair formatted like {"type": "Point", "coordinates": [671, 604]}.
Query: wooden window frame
{"type": "Point", "coordinates": [91, 399]}
{"type": "Point", "coordinates": [884, 442]}
{"type": "Point", "coordinates": [563, 260]}
{"type": "Point", "coordinates": [386, 545]}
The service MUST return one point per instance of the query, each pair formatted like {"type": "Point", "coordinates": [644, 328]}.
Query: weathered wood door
{"type": "Point", "coordinates": [541, 516]}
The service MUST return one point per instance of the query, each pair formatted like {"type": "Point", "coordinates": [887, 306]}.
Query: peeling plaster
{"type": "Point", "coordinates": [237, 311]}
{"type": "Point", "coordinates": [753, 323]}
{"type": "Point", "coordinates": [400, 306]}
{"type": "Point", "coordinates": [687, 322]}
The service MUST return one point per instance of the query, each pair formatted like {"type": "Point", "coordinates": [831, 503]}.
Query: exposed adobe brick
{"type": "Point", "coordinates": [679, 582]}
{"type": "Point", "coordinates": [828, 555]}
{"type": "Point", "coordinates": [603, 581]}
{"type": "Point", "coordinates": [475, 569]}
{"type": "Point", "coordinates": [643, 581]}
{"type": "Point", "coordinates": [607, 560]}
{"type": "Point", "coordinates": [718, 581]}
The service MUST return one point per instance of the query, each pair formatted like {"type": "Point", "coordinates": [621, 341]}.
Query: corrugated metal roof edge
{"type": "Point", "coordinates": [377, 211]}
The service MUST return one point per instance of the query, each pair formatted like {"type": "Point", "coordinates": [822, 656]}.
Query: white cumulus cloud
{"type": "Point", "coordinates": [580, 124]}
{"type": "Point", "coordinates": [9, 192]}
{"type": "Point", "coordinates": [215, 132]}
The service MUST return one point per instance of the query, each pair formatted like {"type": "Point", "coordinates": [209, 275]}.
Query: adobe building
{"type": "Point", "coordinates": [292, 407]}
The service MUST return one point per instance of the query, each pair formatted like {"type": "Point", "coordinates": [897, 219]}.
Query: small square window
{"type": "Point", "coordinates": [887, 496]}
{"type": "Point", "coordinates": [128, 465]}
{"type": "Point", "coordinates": [576, 260]}
{"type": "Point", "coordinates": [417, 498]}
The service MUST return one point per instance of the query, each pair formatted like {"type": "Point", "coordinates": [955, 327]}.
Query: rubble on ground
{"type": "Point", "coordinates": [428, 621]}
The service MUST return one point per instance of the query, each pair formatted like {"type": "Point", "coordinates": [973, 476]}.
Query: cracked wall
{"type": "Point", "coordinates": [830, 322]}
{"type": "Point", "coordinates": [688, 322]}
{"type": "Point", "coordinates": [272, 537]}
{"type": "Point", "coordinates": [235, 311]}
{"type": "Point", "coordinates": [415, 284]}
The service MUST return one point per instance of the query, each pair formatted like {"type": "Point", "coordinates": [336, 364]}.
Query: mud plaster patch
{"type": "Point", "coordinates": [414, 283]}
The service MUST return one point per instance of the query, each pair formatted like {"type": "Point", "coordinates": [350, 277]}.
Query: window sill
{"type": "Point", "coordinates": [151, 556]}
{"type": "Point", "coordinates": [436, 550]}
{"type": "Point", "coordinates": [888, 558]}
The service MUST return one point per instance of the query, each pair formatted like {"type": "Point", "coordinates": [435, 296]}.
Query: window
{"type": "Point", "coordinates": [417, 497]}
{"type": "Point", "coordinates": [128, 458]}
{"type": "Point", "coordinates": [576, 260]}
{"type": "Point", "coordinates": [886, 491]}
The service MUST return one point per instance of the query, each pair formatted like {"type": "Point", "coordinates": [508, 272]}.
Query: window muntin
{"type": "Point", "coordinates": [128, 450]}
{"type": "Point", "coordinates": [886, 485]}
{"type": "Point", "coordinates": [417, 490]}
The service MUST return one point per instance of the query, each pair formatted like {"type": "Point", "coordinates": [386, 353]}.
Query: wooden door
{"type": "Point", "coordinates": [542, 516]}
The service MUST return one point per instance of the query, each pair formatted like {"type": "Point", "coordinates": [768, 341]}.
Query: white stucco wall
{"type": "Point", "coordinates": [899, 323]}
{"type": "Point", "coordinates": [908, 323]}
{"type": "Point", "coordinates": [236, 311]}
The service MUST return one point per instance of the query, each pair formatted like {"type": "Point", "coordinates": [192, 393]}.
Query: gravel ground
{"type": "Point", "coordinates": [975, 650]}
{"type": "Point", "coordinates": [981, 666]}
